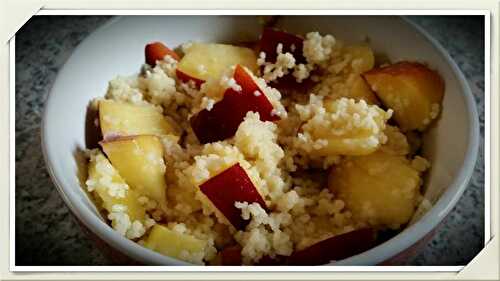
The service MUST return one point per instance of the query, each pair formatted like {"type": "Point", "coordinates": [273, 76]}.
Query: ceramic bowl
{"type": "Point", "coordinates": [117, 48]}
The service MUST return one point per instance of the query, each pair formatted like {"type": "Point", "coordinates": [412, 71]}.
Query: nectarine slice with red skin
{"type": "Point", "coordinates": [231, 255]}
{"type": "Point", "coordinates": [335, 248]}
{"type": "Point", "coordinates": [276, 260]}
{"type": "Point", "coordinates": [268, 43]}
{"type": "Point", "coordinates": [186, 78]}
{"type": "Point", "coordinates": [231, 186]}
{"type": "Point", "coordinates": [272, 37]}
{"type": "Point", "coordinates": [260, 102]}
{"type": "Point", "coordinates": [207, 61]}
{"type": "Point", "coordinates": [222, 121]}
{"type": "Point", "coordinates": [411, 89]}
{"type": "Point", "coordinates": [288, 84]}
{"type": "Point", "coordinates": [157, 51]}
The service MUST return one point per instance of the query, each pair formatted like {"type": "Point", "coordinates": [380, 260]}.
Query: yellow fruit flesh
{"type": "Point", "coordinates": [359, 90]}
{"type": "Point", "coordinates": [349, 83]}
{"type": "Point", "coordinates": [139, 160]}
{"type": "Point", "coordinates": [134, 210]}
{"type": "Point", "coordinates": [411, 90]}
{"type": "Point", "coordinates": [379, 188]}
{"type": "Point", "coordinates": [392, 95]}
{"type": "Point", "coordinates": [171, 243]}
{"type": "Point", "coordinates": [204, 61]}
{"type": "Point", "coordinates": [352, 140]}
{"type": "Point", "coordinates": [123, 119]}
{"type": "Point", "coordinates": [362, 58]}
{"type": "Point", "coordinates": [397, 142]}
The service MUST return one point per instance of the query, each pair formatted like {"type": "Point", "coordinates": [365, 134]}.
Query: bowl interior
{"type": "Point", "coordinates": [118, 49]}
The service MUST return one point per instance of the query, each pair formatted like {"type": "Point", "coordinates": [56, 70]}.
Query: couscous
{"type": "Point", "coordinates": [295, 150]}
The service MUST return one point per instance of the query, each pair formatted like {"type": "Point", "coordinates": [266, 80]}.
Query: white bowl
{"type": "Point", "coordinates": [118, 49]}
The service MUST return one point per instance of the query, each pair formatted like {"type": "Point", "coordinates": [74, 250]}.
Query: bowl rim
{"type": "Point", "coordinates": [376, 255]}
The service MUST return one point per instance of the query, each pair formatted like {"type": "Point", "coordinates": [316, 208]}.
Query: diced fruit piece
{"type": "Point", "coordinates": [157, 51]}
{"type": "Point", "coordinates": [92, 127]}
{"type": "Point", "coordinates": [335, 248]}
{"type": "Point", "coordinates": [291, 44]}
{"type": "Point", "coordinates": [379, 188]}
{"type": "Point", "coordinates": [186, 78]}
{"type": "Point", "coordinates": [249, 88]}
{"type": "Point", "coordinates": [107, 182]}
{"type": "Point", "coordinates": [231, 186]}
{"type": "Point", "coordinates": [174, 244]}
{"type": "Point", "coordinates": [360, 90]}
{"type": "Point", "coordinates": [341, 127]}
{"type": "Point", "coordinates": [288, 85]}
{"type": "Point", "coordinates": [276, 260]}
{"type": "Point", "coordinates": [222, 121]}
{"type": "Point", "coordinates": [397, 143]}
{"type": "Point", "coordinates": [350, 85]}
{"type": "Point", "coordinates": [139, 160]}
{"type": "Point", "coordinates": [411, 89]}
{"type": "Point", "coordinates": [124, 119]}
{"type": "Point", "coordinates": [203, 60]}
{"type": "Point", "coordinates": [231, 255]}
{"type": "Point", "coordinates": [362, 58]}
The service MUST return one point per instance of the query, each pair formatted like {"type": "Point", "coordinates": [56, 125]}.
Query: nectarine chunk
{"type": "Point", "coordinates": [291, 44]}
{"type": "Point", "coordinates": [362, 58]}
{"type": "Point", "coordinates": [360, 90]}
{"type": "Point", "coordinates": [124, 119]}
{"type": "Point", "coordinates": [411, 89]}
{"type": "Point", "coordinates": [139, 160]}
{"type": "Point", "coordinates": [380, 188]}
{"type": "Point", "coordinates": [231, 256]}
{"type": "Point", "coordinates": [157, 51]}
{"type": "Point", "coordinates": [205, 61]}
{"type": "Point", "coordinates": [186, 78]}
{"type": "Point", "coordinates": [222, 121]}
{"type": "Point", "coordinates": [111, 188]}
{"type": "Point", "coordinates": [231, 186]}
{"type": "Point", "coordinates": [335, 248]}
{"type": "Point", "coordinates": [174, 244]}
{"type": "Point", "coordinates": [341, 127]}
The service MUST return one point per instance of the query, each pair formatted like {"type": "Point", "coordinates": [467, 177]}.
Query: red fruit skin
{"type": "Point", "coordinates": [231, 255]}
{"type": "Point", "coordinates": [268, 43]}
{"type": "Point", "coordinates": [335, 248]}
{"type": "Point", "coordinates": [157, 51]}
{"type": "Point", "coordinates": [288, 84]}
{"type": "Point", "coordinates": [268, 261]}
{"type": "Point", "coordinates": [272, 37]}
{"type": "Point", "coordinates": [259, 103]}
{"type": "Point", "coordinates": [186, 78]}
{"type": "Point", "coordinates": [230, 186]}
{"type": "Point", "coordinates": [222, 121]}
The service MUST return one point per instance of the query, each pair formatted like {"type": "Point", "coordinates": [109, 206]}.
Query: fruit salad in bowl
{"type": "Point", "coordinates": [296, 149]}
